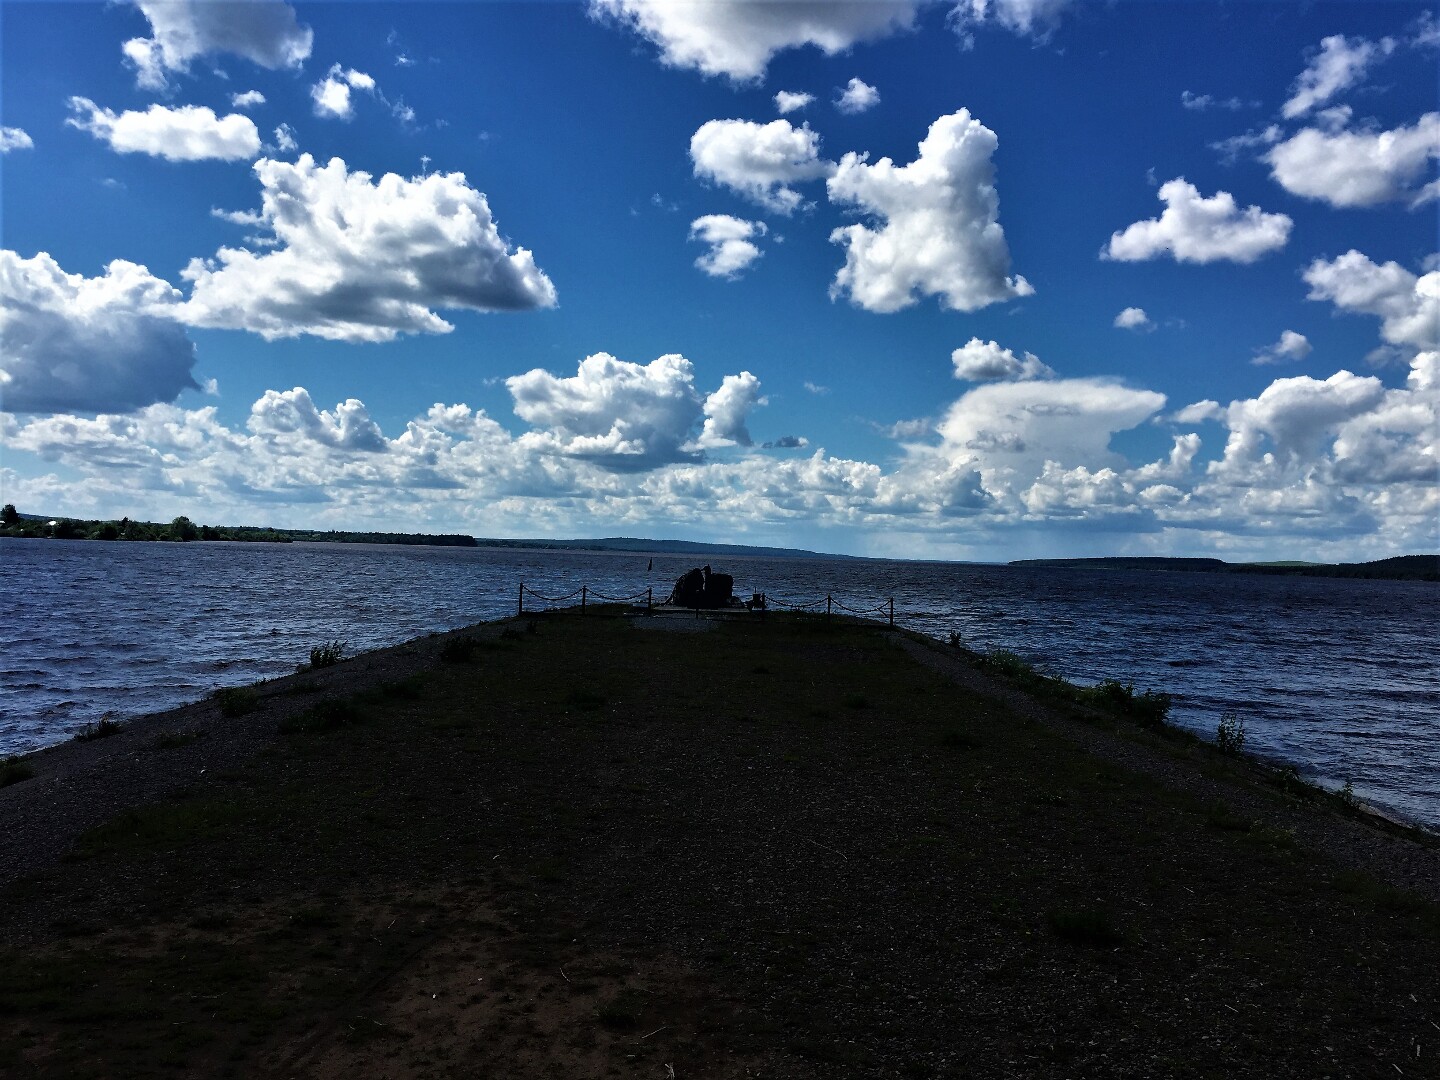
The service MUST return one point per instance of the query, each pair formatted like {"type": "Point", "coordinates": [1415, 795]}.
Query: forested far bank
{"type": "Point", "coordinates": [182, 529]}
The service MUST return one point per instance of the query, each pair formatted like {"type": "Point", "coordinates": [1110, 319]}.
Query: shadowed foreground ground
{"type": "Point", "coordinates": [587, 847]}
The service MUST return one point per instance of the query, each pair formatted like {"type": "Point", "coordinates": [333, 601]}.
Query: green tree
{"type": "Point", "coordinates": [182, 528]}
{"type": "Point", "coordinates": [9, 515]}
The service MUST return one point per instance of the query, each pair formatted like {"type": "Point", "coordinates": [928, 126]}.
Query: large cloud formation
{"type": "Point", "coordinates": [102, 344]}
{"type": "Point", "coordinates": [357, 259]}
{"type": "Point", "coordinates": [939, 232]}
{"type": "Point", "coordinates": [737, 38]}
{"type": "Point", "coordinates": [187, 133]}
{"type": "Point", "coordinates": [1343, 465]}
{"type": "Point", "coordinates": [759, 161]}
{"type": "Point", "coordinates": [1360, 168]}
{"type": "Point", "coordinates": [630, 417]}
{"type": "Point", "coordinates": [1200, 230]}
{"type": "Point", "coordinates": [262, 31]}
{"type": "Point", "coordinates": [1407, 305]}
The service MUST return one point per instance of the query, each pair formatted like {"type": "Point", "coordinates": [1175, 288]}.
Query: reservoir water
{"type": "Point", "coordinates": [1337, 677]}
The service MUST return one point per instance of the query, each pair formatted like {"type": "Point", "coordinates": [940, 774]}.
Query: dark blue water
{"type": "Point", "coordinates": [1338, 677]}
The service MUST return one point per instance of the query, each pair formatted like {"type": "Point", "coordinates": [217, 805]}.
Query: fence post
{"type": "Point", "coordinates": [827, 607]}
{"type": "Point", "coordinates": [520, 601]}
{"type": "Point", "coordinates": [584, 589]}
{"type": "Point", "coordinates": [649, 598]}
{"type": "Point", "coordinates": [892, 613]}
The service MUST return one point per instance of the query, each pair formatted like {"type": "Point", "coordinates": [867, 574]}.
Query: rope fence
{"type": "Point", "coordinates": [886, 608]}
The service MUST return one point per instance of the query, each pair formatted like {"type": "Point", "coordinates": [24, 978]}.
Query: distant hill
{"type": "Point", "coordinates": [1398, 568]}
{"type": "Point", "coordinates": [661, 547]}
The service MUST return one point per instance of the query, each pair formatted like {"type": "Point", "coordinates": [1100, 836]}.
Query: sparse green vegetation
{"type": "Point", "coordinates": [457, 650]}
{"type": "Point", "coordinates": [327, 655]}
{"type": "Point", "coordinates": [100, 729]}
{"type": "Point", "coordinates": [236, 701]}
{"type": "Point", "coordinates": [564, 850]}
{"type": "Point", "coordinates": [1230, 734]}
{"type": "Point", "coordinates": [13, 770]}
{"type": "Point", "coordinates": [327, 714]}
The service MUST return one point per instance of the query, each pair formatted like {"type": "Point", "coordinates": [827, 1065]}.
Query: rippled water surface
{"type": "Point", "coordinates": [1338, 677]}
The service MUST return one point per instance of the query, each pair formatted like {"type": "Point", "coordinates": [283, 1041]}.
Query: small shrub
{"type": "Point", "coordinates": [457, 650]}
{"type": "Point", "coordinates": [236, 700]}
{"type": "Point", "coordinates": [408, 689]}
{"type": "Point", "coordinates": [327, 655]}
{"type": "Point", "coordinates": [101, 729]}
{"type": "Point", "coordinates": [1150, 708]}
{"type": "Point", "coordinates": [1008, 663]}
{"type": "Point", "coordinates": [954, 639]}
{"type": "Point", "coordinates": [329, 714]}
{"type": "Point", "coordinates": [13, 770]}
{"type": "Point", "coordinates": [1089, 926]}
{"type": "Point", "coordinates": [1230, 734]}
{"type": "Point", "coordinates": [1347, 795]}
{"type": "Point", "coordinates": [1221, 817]}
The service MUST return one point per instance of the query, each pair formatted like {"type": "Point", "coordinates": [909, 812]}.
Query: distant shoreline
{"type": "Point", "coordinates": [1398, 568]}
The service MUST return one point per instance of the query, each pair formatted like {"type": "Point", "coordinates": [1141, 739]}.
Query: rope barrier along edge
{"type": "Point", "coordinates": [885, 607]}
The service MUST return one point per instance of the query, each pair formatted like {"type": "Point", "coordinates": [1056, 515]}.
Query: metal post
{"type": "Point", "coordinates": [584, 590]}
{"type": "Point", "coordinates": [892, 613]}
{"type": "Point", "coordinates": [520, 602]}
{"type": "Point", "coordinates": [649, 598]}
{"type": "Point", "coordinates": [827, 607]}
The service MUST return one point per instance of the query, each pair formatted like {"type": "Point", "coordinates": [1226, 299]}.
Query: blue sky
{"type": "Point", "coordinates": [923, 279]}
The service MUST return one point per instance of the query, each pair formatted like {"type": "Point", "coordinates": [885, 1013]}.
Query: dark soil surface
{"type": "Point", "coordinates": [587, 847]}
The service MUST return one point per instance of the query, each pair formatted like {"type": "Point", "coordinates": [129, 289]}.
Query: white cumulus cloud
{"type": "Point", "coordinates": [1291, 346]}
{"type": "Point", "coordinates": [1133, 318]}
{"type": "Point", "coordinates": [262, 31]}
{"type": "Point", "coordinates": [14, 138]}
{"type": "Point", "coordinates": [187, 133]}
{"type": "Point", "coordinates": [1407, 305]}
{"type": "Point", "coordinates": [358, 259]}
{"type": "Point", "coordinates": [331, 95]}
{"type": "Point", "coordinates": [1339, 64]}
{"type": "Point", "coordinates": [1360, 168]}
{"type": "Point", "coordinates": [728, 409]}
{"type": "Point", "coordinates": [856, 97]}
{"type": "Point", "coordinates": [759, 161]}
{"type": "Point", "coordinates": [101, 344]}
{"type": "Point", "coordinates": [938, 228]}
{"type": "Point", "coordinates": [1030, 18]}
{"type": "Point", "coordinates": [293, 413]}
{"type": "Point", "coordinates": [1196, 229]}
{"type": "Point", "coordinates": [737, 38]}
{"type": "Point", "coordinates": [248, 99]}
{"type": "Point", "coordinates": [731, 241]}
{"type": "Point", "coordinates": [986, 361]}
{"type": "Point", "coordinates": [787, 101]}
{"type": "Point", "coordinates": [617, 414]}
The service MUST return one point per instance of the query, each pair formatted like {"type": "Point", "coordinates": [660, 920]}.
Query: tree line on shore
{"type": "Point", "coordinates": [183, 530]}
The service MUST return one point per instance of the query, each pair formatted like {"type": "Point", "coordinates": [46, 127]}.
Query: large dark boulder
{"type": "Point", "coordinates": [701, 589]}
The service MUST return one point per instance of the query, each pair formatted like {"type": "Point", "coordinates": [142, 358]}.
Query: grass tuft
{"type": "Point", "coordinates": [327, 655]}
{"type": "Point", "coordinates": [458, 649]}
{"type": "Point", "coordinates": [236, 700]}
{"type": "Point", "coordinates": [13, 770]}
{"type": "Point", "coordinates": [329, 714]}
{"type": "Point", "coordinates": [101, 729]}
